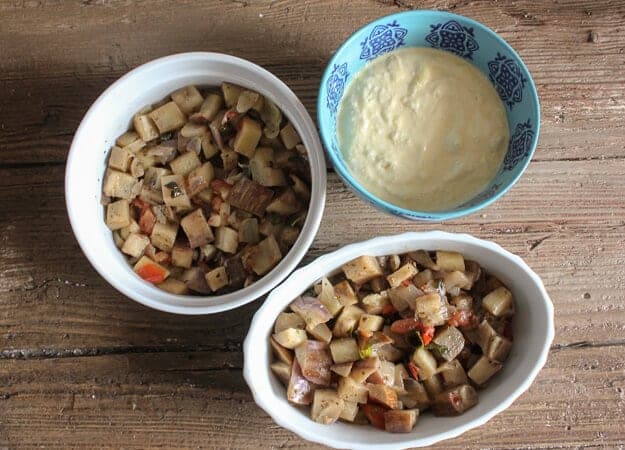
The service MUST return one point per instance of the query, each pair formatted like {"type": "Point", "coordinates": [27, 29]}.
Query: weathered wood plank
{"type": "Point", "coordinates": [59, 56]}
{"type": "Point", "coordinates": [565, 219]}
{"type": "Point", "coordinates": [200, 400]}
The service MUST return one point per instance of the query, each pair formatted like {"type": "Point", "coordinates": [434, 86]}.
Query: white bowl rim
{"type": "Point", "coordinates": [289, 261]}
{"type": "Point", "coordinates": [256, 328]}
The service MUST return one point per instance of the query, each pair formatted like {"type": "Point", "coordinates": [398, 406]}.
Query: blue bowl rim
{"type": "Point", "coordinates": [397, 210]}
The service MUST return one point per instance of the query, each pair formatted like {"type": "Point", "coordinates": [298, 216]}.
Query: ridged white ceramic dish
{"type": "Point", "coordinates": [533, 332]}
{"type": "Point", "coordinates": [111, 115]}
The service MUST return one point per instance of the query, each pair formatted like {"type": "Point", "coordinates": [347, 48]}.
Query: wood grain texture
{"type": "Point", "coordinates": [82, 366]}
{"type": "Point", "coordinates": [190, 400]}
{"type": "Point", "coordinates": [61, 55]}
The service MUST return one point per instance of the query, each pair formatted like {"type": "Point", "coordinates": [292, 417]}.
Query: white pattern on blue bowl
{"type": "Point", "coordinates": [464, 37]}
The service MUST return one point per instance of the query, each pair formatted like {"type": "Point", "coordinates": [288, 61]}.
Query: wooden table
{"type": "Point", "coordinates": [81, 365]}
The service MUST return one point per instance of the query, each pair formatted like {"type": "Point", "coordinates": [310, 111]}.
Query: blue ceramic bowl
{"type": "Point", "coordinates": [464, 37]}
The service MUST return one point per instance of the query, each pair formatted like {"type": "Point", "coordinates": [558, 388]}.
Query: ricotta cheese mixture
{"type": "Point", "coordinates": [422, 129]}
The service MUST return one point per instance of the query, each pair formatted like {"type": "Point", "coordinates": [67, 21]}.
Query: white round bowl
{"type": "Point", "coordinates": [111, 115]}
{"type": "Point", "coordinates": [533, 332]}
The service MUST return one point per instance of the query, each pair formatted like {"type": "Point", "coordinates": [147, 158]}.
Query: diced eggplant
{"type": "Point", "coordinates": [347, 321]}
{"type": "Point", "coordinates": [349, 411]}
{"type": "Point", "coordinates": [342, 369]}
{"type": "Point", "coordinates": [231, 93]}
{"type": "Point", "coordinates": [282, 353]}
{"type": "Point", "coordinates": [174, 286]}
{"type": "Point", "coordinates": [328, 298]}
{"type": "Point", "coordinates": [236, 272]}
{"type": "Point", "coordinates": [200, 178]}
{"type": "Point", "coordinates": [364, 368]}
{"type": "Point", "coordinates": [352, 391]}
{"type": "Point", "coordinates": [285, 204]}
{"type": "Point", "coordinates": [135, 244]}
{"type": "Point", "coordinates": [322, 333]}
{"type": "Point", "coordinates": [388, 352]}
{"type": "Point", "coordinates": [433, 385]}
{"type": "Point", "coordinates": [163, 236]}
{"type": "Point", "coordinates": [182, 256]}
{"type": "Point", "coordinates": [120, 159]}
{"type": "Point", "coordinates": [217, 278]}
{"type": "Point", "coordinates": [282, 370]}
{"type": "Point", "coordinates": [483, 370]}
{"type": "Point", "coordinates": [118, 214]}
{"type": "Point", "coordinates": [250, 196]}
{"type": "Point", "coordinates": [431, 309]}
{"type": "Point", "coordinates": [415, 395]}
{"type": "Point", "coordinates": [400, 421]}
{"type": "Point", "coordinates": [457, 279]}
{"type": "Point", "coordinates": [188, 99]}
{"type": "Point", "coordinates": [375, 303]}
{"type": "Point", "coordinates": [247, 137]}
{"type": "Point", "coordinates": [345, 293]}
{"type": "Point", "coordinates": [499, 348]}
{"type": "Point", "coordinates": [145, 127]}
{"type": "Point", "coordinates": [450, 261]}
{"type": "Point", "coordinates": [454, 401]}
{"type": "Point", "coordinates": [404, 297]}
{"type": "Point", "coordinates": [271, 116]}
{"type": "Point", "coordinates": [370, 322]}
{"type": "Point", "coordinates": [423, 277]}
{"type": "Point", "coordinates": [484, 334]}
{"type": "Point", "coordinates": [174, 192]}
{"type": "Point", "coordinates": [315, 360]}
{"type": "Point", "coordinates": [449, 342]}
{"type": "Point", "coordinates": [383, 395]}
{"type": "Point", "coordinates": [196, 281]}
{"type": "Point", "coordinates": [299, 390]}
{"type": "Point", "coordinates": [399, 276]}
{"type": "Point", "coordinates": [498, 302]}
{"type": "Point", "coordinates": [247, 100]}
{"type": "Point", "coordinates": [185, 163]}
{"type": "Point", "coordinates": [425, 362]}
{"type": "Point", "coordinates": [196, 228]}
{"type": "Point", "coordinates": [288, 320]}
{"type": "Point", "coordinates": [210, 107]}
{"type": "Point", "coordinates": [248, 231]}
{"type": "Point", "coordinates": [344, 350]}
{"type": "Point", "coordinates": [290, 137]}
{"type": "Point", "coordinates": [301, 189]}
{"type": "Point", "coordinates": [453, 373]}
{"type": "Point", "coordinates": [311, 310]}
{"type": "Point", "coordinates": [226, 239]}
{"type": "Point", "coordinates": [126, 139]}
{"type": "Point", "coordinates": [326, 407]}
{"type": "Point", "coordinates": [362, 269]}
{"type": "Point", "coordinates": [262, 257]}
{"type": "Point", "coordinates": [167, 117]}
{"type": "Point", "coordinates": [121, 185]}
{"type": "Point", "coordinates": [291, 337]}
{"type": "Point", "coordinates": [424, 259]}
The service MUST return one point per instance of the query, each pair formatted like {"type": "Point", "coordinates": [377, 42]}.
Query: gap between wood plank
{"type": "Point", "coordinates": [230, 347]}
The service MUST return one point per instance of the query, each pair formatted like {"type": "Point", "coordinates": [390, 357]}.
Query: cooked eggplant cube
{"type": "Point", "coordinates": [384, 395]}
{"type": "Point", "coordinates": [182, 256]}
{"type": "Point", "coordinates": [483, 370]}
{"type": "Point", "coordinates": [285, 204]}
{"type": "Point", "coordinates": [145, 127]}
{"type": "Point", "coordinates": [135, 245]}
{"type": "Point", "coordinates": [229, 159]}
{"type": "Point", "coordinates": [299, 390]}
{"type": "Point", "coordinates": [282, 353]}
{"type": "Point", "coordinates": [498, 302]}
{"type": "Point", "coordinates": [120, 159]}
{"type": "Point", "coordinates": [153, 176]}
{"type": "Point", "coordinates": [342, 369]}
{"type": "Point", "coordinates": [349, 412]}
{"type": "Point", "coordinates": [120, 185]}
{"type": "Point", "coordinates": [185, 163]}
{"type": "Point", "coordinates": [431, 309]}
{"type": "Point", "coordinates": [282, 370]}
{"type": "Point", "coordinates": [288, 320]}
{"type": "Point", "coordinates": [321, 332]}
{"type": "Point", "coordinates": [126, 139]}
{"type": "Point", "coordinates": [246, 139]}
{"type": "Point", "coordinates": [326, 407]}
{"type": "Point", "coordinates": [403, 297]}
{"type": "Point", "coordinates": [211, 106]}
{"type": "Point", "coordinates": [247, 100]}
{"type": "Point", "coordinates": [199, 178]}
{"type": "Point", "coordinates": [290, 137]}
{"type": "Point", "coordinates": [347, 321]}
{"type": "Point", "coordinates": [370, 322]}
{"type": "Point", "coordinates": [135, 146]}
{"type": "Point", "coordinates": [192, 130]}
{"type": "Point", "coordinates": [167, 117]}
{"type": "Point", "coordinates": [364, 368]}
{"type": "Point", "coordinates": [188, 99]}
{"type": "Point", "coordinates": [433, 385]}
{"type": "Point", "coordinates": [250, 196]}
{"type": "Point", "coordinates": [457, 279]}
{"type": "Point", "coordinates": [344, 350]}
{"type": "Point", "coordinates": [311, 310]}
{"type": "Point", "coordinates": [404, 273]}
{"type": "Point", "coordinates": [248, 231]}
{"type": "Point", "coordinates": [174, 192]}
{"type": "Point", "coordinates": [450, 261]}
{"type": "Point", "coordinates": [315, 361]}
{"type": "Point", "coordinates": [231, 93]}
{"type": "Point", "coordinates": [453, 373]}
{"type": "Point", "coordinates": [362, 269]}
{"type": "Point", "coordinates": [195, 280]}
{"type": "Point", "coordinates": [415, 395]}
{"type": "Point", "coordinates": [352, 391]}
{"type": "Point", "coordinates": [164, 235]}
{"type": "Point", "coordinates": [425, 362]}
{"type": "Point", "coordinates": [267, 176]}
{"type": "Point", "coordinates": [261, 258]}
{"type": "Point", "coordinates": [118, 214]}
{"type": "Point", "coordinates": [400, 421]}
{"type": "Point", "coordinates": [226, 239]}
{"type": "Point", "coordinates": [174, 286]}
{"type": "Point", "coordinates": [484, 334]}
{"type": "Point", "coordinates": [499, 348]}
{"type": "Point", "coordinates": [450, 342]}
{"type": "Point", "coordinates": [328, 298]}
{"type": "Point", "coordinates": [217, 278]}
{"type": "Point", "coordinates": [345, 293]}
{"type": "Point", "coordinates": [454, 401]}
{"type": "Point", "coordinates": [196, 228]}
{"type": "Point", "coordinates": [291, 337]}
{"type": "Point", "coordinates": [375, 303]}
